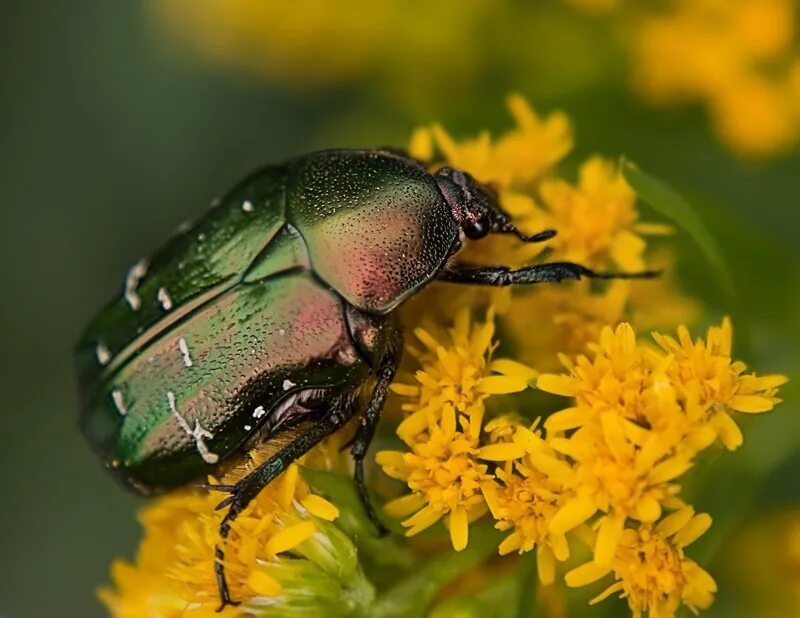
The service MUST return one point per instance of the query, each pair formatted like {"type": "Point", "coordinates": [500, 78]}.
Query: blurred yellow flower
{"type": "Point", "coordinates": [316, 43]}
{"type": "Point", "coordinates": [517, 158]}
{"type": "Point", "coordinates": [737, 57]}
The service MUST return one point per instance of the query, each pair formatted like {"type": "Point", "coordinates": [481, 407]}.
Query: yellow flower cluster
{"type": "Point", "coordinates": [316, 42]}
{"type": "Point", "coordinates": [639, 418]}
{"type": "Point", "coordinates": [442, 428]}
{"type": "Point", "coordinates": [740, 58]}
{"type": "Point", "coordinates": [272, 543]}
{"type": "Point", "coordinates": [606, 469]}
{"type": "Point", "coordinates": [597, 223]}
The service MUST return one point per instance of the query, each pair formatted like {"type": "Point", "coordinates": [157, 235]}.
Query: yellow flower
{"type": "Point", "coordinates": [737, 57]}
{"type": "Point", "coordinates": [614, 379]}
{"type": "Point", "coordinates": [288, 41]}
{"type": "Point", "coordinates": [569, 316]}
{"type": "Point", "coordinates": [519, 157]}
{"type": "Point", "coordinates": [597, 220]}
{"type": "Point", "coordinates": [639, 419]}
{"type": "Point", "coordinates": [173, 574]}
{"type": "Point", "coordinates": [684, 394]}
{"type": "Point", "coordinates": [525, 501]}
{"type": "Point", "coordinates": [445, 475]}
{"type": "Point", "coordinates": [625, 473]}
{"type": "Point", "coordinates": [443, 426]}
{"type": "Point", "coordinates": [456, 370]}
{"type": "Point", "coordinates": [704, 374]}
{"type": "Point", "coordinates": [650, 568]}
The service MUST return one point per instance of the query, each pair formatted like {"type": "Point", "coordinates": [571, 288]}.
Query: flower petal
{"type": "Point", "coordinates": [263, 584]}
{"type": "Point", "coordinates": [459, 529]}
{"type": "Point", "coordinates": [290, 537]}
{"type": "Point", "coordinates": [503, 451]}
{"type": "Point", "coordinates": [572, 514]}
{"type": "Point", "coordinates": [320, 507]}
{"type": "Point", "coordinates": [608, 537]}
{"type": "Point", "coordinates": [585, 574]}
{"type": "Point", "coordinates": [566, 386]}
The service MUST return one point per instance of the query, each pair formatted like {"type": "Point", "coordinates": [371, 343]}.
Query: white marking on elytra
{"type": "Point", "coordinates": [184, 348]}
{"type": "Point", "coordinates": [259, 412]}
{"type": "Point", "coordinates": [247, 206]}
{"type": "Point", "coordinates": [287, 384]}
{"type": "Point", "coordinates": [135, 275]}
{"type": "Point", "coordinates": [281, 332]}
{"type": "Point", "coordinates": [247, 428]}
{"type": "Point", "coordinates": [199, 433]}
{"type": "Point", "coordinates": [103, 353]}
{"type": "Point", "coordinates": [116, 395]}
{"type": "Point", "coordinates": [164, 299]}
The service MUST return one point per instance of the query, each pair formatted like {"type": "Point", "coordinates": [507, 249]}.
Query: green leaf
{"type": "Point", "coordinates": [671, 204]}
{"type": "Point", "coordinates": [413, 595]}
{"type": "Point", "coordinates": [498, 598]}
{"type": "Point", "coordinates": [353, 521]}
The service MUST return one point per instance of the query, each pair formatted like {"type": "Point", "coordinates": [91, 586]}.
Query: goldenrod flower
{"type": "Point", "coordinates": [597, 220]}
{"type": "Point", "coordinates": [707, 362]}
{"type": "Point", "coordinates": [445, 475]}
{"type": "Point", "coordinates": [684, 394]}
{"type": "Point", "coordinates": [517, 158]}
{"type": "Point", "coordinates": [737, 57]}
{"type": "Point", "coordinates": [457, 372]}
{"type": "Point", "coordinates": [280, 550]}
{"type": "Point", "coordinates": [613, 379]}
{"type": "Point", "coordinates": [638, 421]}
{"type": "Point", "coordinates": [650, 568]}
{"type": "Point", "coordinates": [443, 426]}
{"type": "Point", "coordinates": [524, 500]}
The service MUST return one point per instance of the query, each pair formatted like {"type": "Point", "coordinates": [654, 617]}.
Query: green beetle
{"type": "Point", "coordinates": [268, 319]}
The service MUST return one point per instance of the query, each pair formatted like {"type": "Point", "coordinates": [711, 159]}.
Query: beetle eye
{"type": "Point", "coordinates": [477, 228]}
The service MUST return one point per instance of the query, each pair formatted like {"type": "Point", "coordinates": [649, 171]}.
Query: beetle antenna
{"type": "Point", "coordinates": [542, 236]}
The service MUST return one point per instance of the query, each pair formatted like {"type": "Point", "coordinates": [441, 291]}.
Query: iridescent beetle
{"type": "Point", "coordinates": [267, 320]}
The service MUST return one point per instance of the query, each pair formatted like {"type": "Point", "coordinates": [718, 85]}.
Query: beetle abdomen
{"type": "Point", "coordinates": [376, 225]}
{"type": "Point", "coordinates": [193, 396]}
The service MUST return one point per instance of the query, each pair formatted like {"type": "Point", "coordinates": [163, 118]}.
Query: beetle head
{"type": "Point", "coordinates": [474, 205]}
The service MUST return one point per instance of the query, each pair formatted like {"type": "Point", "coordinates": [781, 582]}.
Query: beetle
{"type": "Point", "coordinates": [272, 319]}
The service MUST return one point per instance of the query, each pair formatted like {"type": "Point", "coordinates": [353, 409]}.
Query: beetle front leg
{"type": "Point", "coordinates": [552, 272]}
{"type": "Point", "coordinates": [366, 431]}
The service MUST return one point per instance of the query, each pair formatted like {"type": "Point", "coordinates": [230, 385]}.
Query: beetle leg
{"type": "Point", "coordinates": [366, 431]}
{"type": "Point", "coordinates": [226, 489]}
{"type": "Point", "coordinates": [552, 272]}
{"type": "Point", "coordinates": [308, 435]}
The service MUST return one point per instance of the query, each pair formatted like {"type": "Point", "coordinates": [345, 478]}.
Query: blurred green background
{"type": "Point", "coordinates": [110, 136]}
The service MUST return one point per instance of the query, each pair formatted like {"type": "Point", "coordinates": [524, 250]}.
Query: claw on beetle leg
{"type": "Point", "coordinates": [226, 502]}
